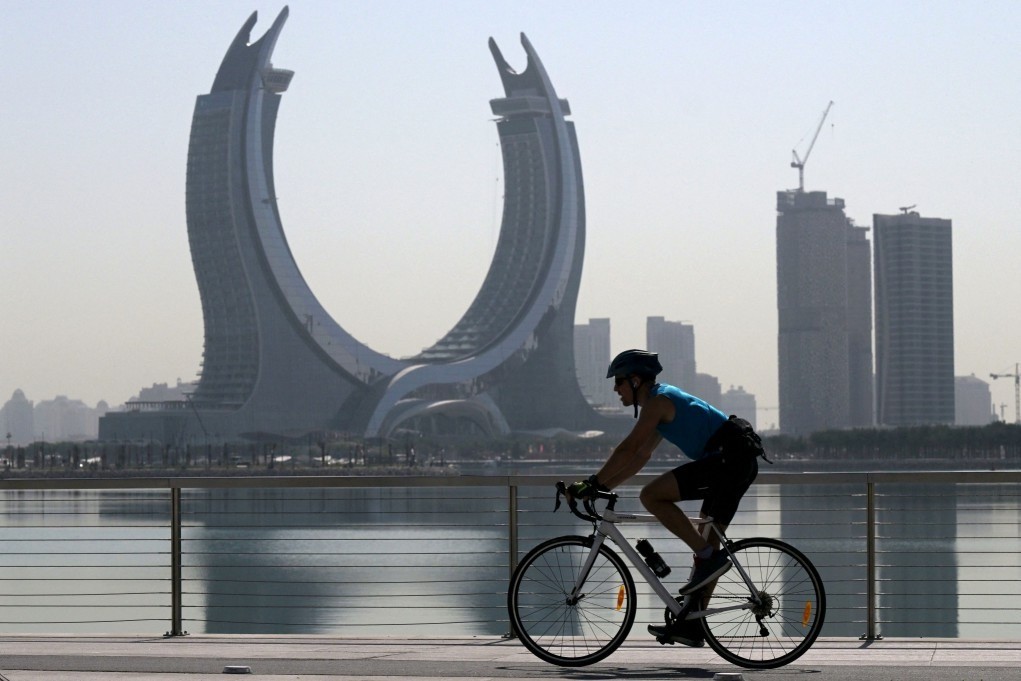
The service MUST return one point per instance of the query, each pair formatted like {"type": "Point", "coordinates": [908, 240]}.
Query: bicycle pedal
{"type": "Point", "coordinates": [663, 641]}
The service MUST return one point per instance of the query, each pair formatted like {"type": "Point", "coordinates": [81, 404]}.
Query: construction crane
{"type": "Point", "coordinates": [799, 162]}
{"type": "Point", "coordinates": [1017, 390]}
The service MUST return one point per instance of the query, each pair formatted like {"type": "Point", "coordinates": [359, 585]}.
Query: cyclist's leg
{"type": "Point", "coordinates": [687, 482]}
{"type": "Point", "coordinates": [660, 498]}
{"type": "Point", "coordinates": [733, 477]}
{"type": "Point", "coordinates": [729, 480]}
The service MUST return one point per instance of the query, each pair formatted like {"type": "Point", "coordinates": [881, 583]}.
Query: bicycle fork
{"type": "Point", "coordinates": [576, 595]}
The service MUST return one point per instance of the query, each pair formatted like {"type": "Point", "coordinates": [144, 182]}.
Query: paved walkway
{"type": "Point", "coordinates": [288, 658]}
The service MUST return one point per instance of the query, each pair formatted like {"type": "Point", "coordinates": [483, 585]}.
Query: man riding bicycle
{"type": "Point", "coordinates": [724, 454]}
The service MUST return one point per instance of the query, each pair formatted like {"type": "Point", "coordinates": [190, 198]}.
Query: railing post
{"type": "Point", "coordinates": [870, 560]}
{"type": "Point", "coordinates": [512, 528]}
{"type": "Point", "coordinates": [176, 628]}
{"type": "Point", "coordinates": [512, 539]}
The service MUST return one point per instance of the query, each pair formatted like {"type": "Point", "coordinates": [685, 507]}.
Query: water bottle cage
{"type": "Point", "coordinates": [653, 559]}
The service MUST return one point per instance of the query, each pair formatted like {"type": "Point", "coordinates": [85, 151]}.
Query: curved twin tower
{"type": "Point", "coordinates": [275, 363]}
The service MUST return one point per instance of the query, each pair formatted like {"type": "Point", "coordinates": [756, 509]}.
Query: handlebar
{"type": "Point", "coordinates": [590, 514]}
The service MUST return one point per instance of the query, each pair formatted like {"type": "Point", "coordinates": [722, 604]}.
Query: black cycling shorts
{"type": "Point", "coordinates": [720, 480]}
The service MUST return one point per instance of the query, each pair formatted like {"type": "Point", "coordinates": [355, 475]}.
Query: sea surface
{"type": "Point", "coordinates": [435, 560]}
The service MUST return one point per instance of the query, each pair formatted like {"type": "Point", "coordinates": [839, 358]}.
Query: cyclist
{"type": "Point", "coordinates": [724, 463]}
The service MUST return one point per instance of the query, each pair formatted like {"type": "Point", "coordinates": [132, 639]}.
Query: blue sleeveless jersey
{"type": "Point", "coordinates": [695, 421]}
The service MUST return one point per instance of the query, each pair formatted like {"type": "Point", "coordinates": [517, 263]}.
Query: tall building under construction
{"type": "Point", "coordinates": [824, 306]}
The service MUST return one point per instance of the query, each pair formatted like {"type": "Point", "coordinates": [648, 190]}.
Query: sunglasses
{"type": "Point", "coordinates": [617, 380]}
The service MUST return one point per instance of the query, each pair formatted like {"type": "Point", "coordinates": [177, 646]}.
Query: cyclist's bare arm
{"type": "Point", "coordinates": [631, 455]}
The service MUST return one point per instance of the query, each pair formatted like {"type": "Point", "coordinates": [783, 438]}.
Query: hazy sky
{"type": "Point", "coordinates": [389, 176]}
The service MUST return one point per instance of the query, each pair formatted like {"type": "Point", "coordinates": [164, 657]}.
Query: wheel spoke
{"type": "Point", "coordinates": [791, 606]}
{"type": "Point", "coordinates": [571, 634]}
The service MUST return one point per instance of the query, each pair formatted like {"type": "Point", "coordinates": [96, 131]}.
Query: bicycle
{"type": "Point", "coordinates": [572, 599]}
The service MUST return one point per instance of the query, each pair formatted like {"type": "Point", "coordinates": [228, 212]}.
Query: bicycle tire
{"type": "Point", "coordinates": [562, 633]}
{"type": "Point", "coordinates": [792, 618]}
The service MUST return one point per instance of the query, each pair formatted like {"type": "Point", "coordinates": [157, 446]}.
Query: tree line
{"type": "Point", "coordinates": [997, 444]}
{"type": "Point", "coordinates": [994, 442]}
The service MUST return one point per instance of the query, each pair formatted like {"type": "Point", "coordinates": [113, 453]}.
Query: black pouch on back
{"type": "Point", "coordinates": [741, 435]}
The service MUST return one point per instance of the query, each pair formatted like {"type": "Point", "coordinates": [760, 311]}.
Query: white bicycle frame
{"type": "Point", "coordinates": [607, 528]}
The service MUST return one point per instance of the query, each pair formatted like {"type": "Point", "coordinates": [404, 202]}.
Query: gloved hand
{"type": "Point", "coordinates": [585, 489]}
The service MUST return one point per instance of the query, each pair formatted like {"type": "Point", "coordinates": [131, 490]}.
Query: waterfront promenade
{"type": "Point", "coordinates": [325, 658]}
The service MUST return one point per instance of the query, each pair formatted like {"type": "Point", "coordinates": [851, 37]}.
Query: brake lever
{"type": "Point", "coordinates": [571, 501]}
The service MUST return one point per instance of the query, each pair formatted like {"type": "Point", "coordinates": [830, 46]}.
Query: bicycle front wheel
{"type": "Point", "coordinates": [566, 628]}
{"type": "Point", "coordinates": [788, 614]}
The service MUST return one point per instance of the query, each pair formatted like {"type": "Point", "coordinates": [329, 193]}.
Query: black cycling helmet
{"type": "Point", "coordinates": [639, 362]}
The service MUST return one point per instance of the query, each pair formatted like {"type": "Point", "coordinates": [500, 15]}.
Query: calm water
{"type": "Point", "coordinates": [424, 561]}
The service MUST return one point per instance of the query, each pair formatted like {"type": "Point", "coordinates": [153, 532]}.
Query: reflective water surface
{"type": "Point", "coordinates": [435, 560]}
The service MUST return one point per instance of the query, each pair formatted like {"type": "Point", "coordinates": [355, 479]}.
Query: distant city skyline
{"type": "Point", "coordinates": [674, 342]}
{"type": "Point", "coordinates": [389, 178]}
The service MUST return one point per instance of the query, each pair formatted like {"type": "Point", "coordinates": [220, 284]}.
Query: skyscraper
{"type": "Point", "coordinates": [861, 383]}
{"type": "Point", "coordinates": [824, 315]}
{"type": "Point", "coordinates": [675, 343]}
{"type": "Point", "coordinates": [707, 387]}
{"type": "Point", "coordinates": [914, 319]}
{"type": "Point", "coordinates": [276, 364]}
{"type": "Point", "coordinates": [739, 402]}
{"type": "Point", "coordinates": [973, 402]}
{"type": "Point", "coordinates": [591, 357]}
{"type": "Point", "coordinates": [17, 420]}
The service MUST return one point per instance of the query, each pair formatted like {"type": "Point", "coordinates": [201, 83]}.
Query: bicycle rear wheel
{"type": "Point", "coordinates": [789, 618]}
{"type": "Point", "coordinates": [554, 628]}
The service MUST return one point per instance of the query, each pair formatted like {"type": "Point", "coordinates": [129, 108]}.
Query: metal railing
{"type": "Point", "coordinates": [918, 554]}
